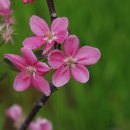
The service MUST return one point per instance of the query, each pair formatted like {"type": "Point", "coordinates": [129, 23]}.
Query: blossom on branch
{"type": "Point", "coordinates": [40, 124]}
{"type": "Point", "coordinates": [5, 10]}
{"type": "Point", "coordinates": [6, 25]}
{"type": "Point", "coordinates": [31, 71]}
{"type": "Point", "coordinates": [27, 1]}
{"type": "Point", "coordinates": [72, 61]}
{"type": "Point", "coordinates": [15, 113]}
{"type": "Point", "coordinates": [45, 35]}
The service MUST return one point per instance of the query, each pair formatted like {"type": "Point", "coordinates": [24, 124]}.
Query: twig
{"type": "Point", "coordinates": [39, 104]}
{"type": "Point", "coordinates": [51, 8]}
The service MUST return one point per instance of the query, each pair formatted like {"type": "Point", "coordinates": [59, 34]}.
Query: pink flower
{"type": "Point", "coordinates": [72, 61]}
{"type": "Point", "coordinates": [5, 4]}
{"type": "Point", "coordinates": [14, 112]}
{"type": "Point", "coordinates": [39, 27]}
{"type": "Point", "coordinates": [5, 10]}
{"type": "Point", "coordinates": [31, 71]}
{"type": "Point", "coordinates": [41, 124]}
{"type": "Point", "coordinates": [27, 1]}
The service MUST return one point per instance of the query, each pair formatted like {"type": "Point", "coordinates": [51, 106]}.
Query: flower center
{"type": "Point", "coordinates": [70, 61]}
{"type": "Point", "coordinates": [49, 37]}
{"type": "Point", "coordinates": [31, 71]}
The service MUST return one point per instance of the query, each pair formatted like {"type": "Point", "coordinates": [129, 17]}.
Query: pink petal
{"type": "Point", "coordinates": [61, 36]}
{"type": "Point", "coordinates": [59, 24]}
{"type": "Point", "coordinates": [46, 126]}
{"type": "Point", "coordinates": [80, 73]}
{"type": "Point", "coordinates": [88, 55]}
{"type": "Point", "coordinates": [29, 56]}
{"type": "Point", "coordinates": [71, 45]}
{"type": "Point", "coordinates": [42, 68]}
{"type": "Point", "coordinates": [38, 26]}
{"type": "Point", "coordinates": [41, 124]}
{"type": "Point", "coordinates": [27, 1]}
{"type": "Point", "coordinates": [22, 81]}
{"type": "Point", "coordinates": [60, 28]}
{"type": "Point", "coordinates": [5, 4]}
{"type": "Point", "coordinates": [41, 84]}
{"type": "Point", "coordinates": [33, 42]}
{"type": "Point", "coordinates": [14, 112]}
{"type": "Point", "coordinates": [47, 48]}
{"type": "Point", "coordinates": [18, 61]}
{"type": "Point", "coordinates": [61, 76]}
{"type": "Point", "coordinates": [55, 59]}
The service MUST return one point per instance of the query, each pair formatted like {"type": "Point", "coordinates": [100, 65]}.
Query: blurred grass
{"type": "Point", "coordinates": [102, 103]}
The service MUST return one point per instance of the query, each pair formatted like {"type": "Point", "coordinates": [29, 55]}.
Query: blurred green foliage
{"type": "Point", "coordinates": [104, 102]}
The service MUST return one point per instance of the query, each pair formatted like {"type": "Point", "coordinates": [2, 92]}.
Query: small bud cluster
{"type": "Point", "coordinates": [6, 22]}
{"type": "Point", "coordinates": [15, 113]}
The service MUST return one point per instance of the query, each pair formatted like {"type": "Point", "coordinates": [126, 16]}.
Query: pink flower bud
{"type": "Point", "coordinates": [41, 124]}
{"type": "Point", "coordinates": [14, 112]}
{"type": "Point", "coordinates": [27, 1]}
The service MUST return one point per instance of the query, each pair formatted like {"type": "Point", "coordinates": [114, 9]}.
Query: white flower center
{"type": "Point", "coordinates": [70, 61]}
{"type": "Point", "coordinates": [49, 37]}
{"type": "Point", "coordinates": [31, 71]}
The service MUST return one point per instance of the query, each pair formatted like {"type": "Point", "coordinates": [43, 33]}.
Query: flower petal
{"type": "Point", "coordinates": [55, 59]}
{"type": "Point", "coordinates": [5, 4]}
{"type": "Point", "coordinates": [29, 56]}
{"type": "Point", "coordinates": [61, 36]}
{"type": "Point", "coordinates": [59, 24]}
{"type": "Point", "coordinates": [27, 1]}
{"type": "Point", "coordinates": [41, 124]}
{"type": "Point", "coordinates": [42, 68]}
{"type": "Point", "coordinates": [33, 42]}
{"type": "Point", "coordinates": [18, 61]}
{"type": "Point", "coordinates": [60, 28]}
{"type": "Point", "coordinates": [88, 55]}
{"type": "Point", "coordinates": [47, 48]}
{"type": "Point", "coordinates": [38, 26]}
{"type": "Point", "coordinates": [80, 73]}
{"type": "Point", "coordinates": [61, 76]}
{"type": "Point", "coordinates": [41, 84]}
{"type": "Point", "coordinates": [22, 81]}
{"type": "Point", "coordinates": [71, 45]}
{"type": "Point", "coordinates": [46, 126]}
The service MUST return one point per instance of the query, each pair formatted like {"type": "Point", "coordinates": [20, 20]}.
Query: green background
{"type": "Point", "coordinates": [104, 102]}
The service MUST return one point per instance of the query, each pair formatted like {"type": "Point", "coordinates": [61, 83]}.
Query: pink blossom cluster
{"type": "Point", "coordinates": [15, 113]}
{"type": "Point", "coordinates": [6, 30]}
{"type": "Point", "coordinates": [69, 61]}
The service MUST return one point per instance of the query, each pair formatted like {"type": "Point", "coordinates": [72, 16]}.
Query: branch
{"type": "Point", "coordinates": [51, 8]}
{"type": "Point", "coordinates": [41, 102]}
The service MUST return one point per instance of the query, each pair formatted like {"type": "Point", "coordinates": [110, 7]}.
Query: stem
{"type": "Point", "coordinates": [51, 8]}
{"type": "Point", "coordinates": [41, 102]}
